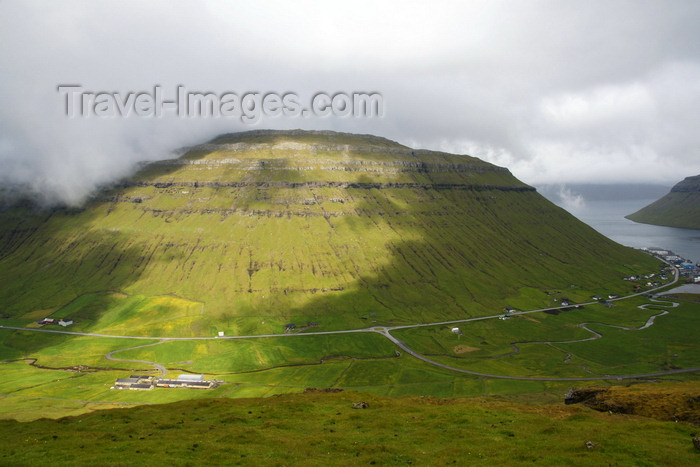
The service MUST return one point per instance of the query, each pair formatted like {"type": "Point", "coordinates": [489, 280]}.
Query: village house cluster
{"type": "Point", "coordinates": [688, 270]}
{"type": "Point", "coordinates": [146, 382]}
{"type": "Point", "coordinates": [60, 321]}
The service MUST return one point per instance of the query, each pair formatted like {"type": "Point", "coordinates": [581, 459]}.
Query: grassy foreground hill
{"type": "Point", "coordinates": [321, 428]}
{"type": "Point", "coordinates": [255, 230]}
{"type": "Point", "coordinates": [679, 208]}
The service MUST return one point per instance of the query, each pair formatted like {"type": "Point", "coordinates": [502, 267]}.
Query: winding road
{"type": "Point", "coordinates": [157, 366]}
{"type": "Point", "coordinates": [386, 332]}
{"type": "Point", "coordinates": [402, 345]}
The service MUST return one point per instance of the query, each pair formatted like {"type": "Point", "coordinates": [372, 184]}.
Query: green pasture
{"type": "Point", "coordinates": [221, 356]}
{"type": "Point", "coordinates": [487, 346]}
{"type": "Point", "coordinates": [323, 429]}
{"type": "Point", "coordinates": [77, 370]}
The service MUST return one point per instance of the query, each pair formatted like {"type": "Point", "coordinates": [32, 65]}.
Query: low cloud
{"type": "Point", "coordinates": [564, 196]}
{"type": "Point", "coordinates": [603, 92]}
{"type": "Point", "coordinates": [571, 201]}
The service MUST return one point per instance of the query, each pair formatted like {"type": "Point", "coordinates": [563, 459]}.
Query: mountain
{"type": "Point", "coordinates": [679, 208]}
{"type": "Point", "coordinates": [255, 230]}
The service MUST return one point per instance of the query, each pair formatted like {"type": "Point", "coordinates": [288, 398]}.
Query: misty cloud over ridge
{"type": "Point", "coordinates": [559, 93]}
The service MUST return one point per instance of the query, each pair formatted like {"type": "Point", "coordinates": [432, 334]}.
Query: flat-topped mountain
{"type": "Point", "coordinates": [679, 208]}
{"type": "Point", "coordinates": [253, 231]}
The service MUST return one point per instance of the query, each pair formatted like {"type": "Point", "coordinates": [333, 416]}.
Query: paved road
{"type": "Point", "coordinates": [406, 349]}
{"type": "Point", "coordinates": [386, 332]}
{"type": "Point", "coordinates": [344, 331]}
{"type": "Point", "coordinates": [150, 338]}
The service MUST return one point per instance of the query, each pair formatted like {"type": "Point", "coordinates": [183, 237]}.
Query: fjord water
{"type": "Point", "coordinates": [605, 211]}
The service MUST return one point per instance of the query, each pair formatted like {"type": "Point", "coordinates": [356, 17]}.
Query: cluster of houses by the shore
{"type": "Point", "coordinates": [687, 269]}
{"type": "Point", "coordinates": [146, 382]}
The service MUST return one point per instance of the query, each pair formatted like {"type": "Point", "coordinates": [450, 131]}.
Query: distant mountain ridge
{"type": "Point", "coordinates": [679, 208]}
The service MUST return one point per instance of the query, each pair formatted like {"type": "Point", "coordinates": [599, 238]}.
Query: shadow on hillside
{"type": "Point", "coordinates": [465, 253]}
{"type": "Point", "coordinates": [459, 254]}
{"type": "Point", "coordinates": [51, 258]}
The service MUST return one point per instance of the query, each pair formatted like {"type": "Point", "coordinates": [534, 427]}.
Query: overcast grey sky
{"type": "Point", "coordinates": [557, 91]}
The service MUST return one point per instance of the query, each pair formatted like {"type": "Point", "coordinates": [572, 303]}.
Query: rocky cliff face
{"type": "Point", "coordinates": [679, 208]}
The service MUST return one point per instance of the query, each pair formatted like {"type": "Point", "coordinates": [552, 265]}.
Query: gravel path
{"type": "Point", "coordinates": [157, 366]}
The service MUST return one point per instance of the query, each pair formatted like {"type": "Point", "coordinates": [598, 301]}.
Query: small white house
{"type": "Point", "coordinates": [65, 322]}
{"type": "Point", "coordinates": [455, 330]}
{"type": "Point", "coordinates": [221, 333]}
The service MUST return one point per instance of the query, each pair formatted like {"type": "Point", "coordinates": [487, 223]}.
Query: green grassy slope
{"type": "Point", "coordinates": [324, 429]}
{"type": "Point", "coordinates": [252, 231]}
{"type": "Point", "coordinates": [679, 208]}
{"type": "Point", "coordinates": [54, 375]}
